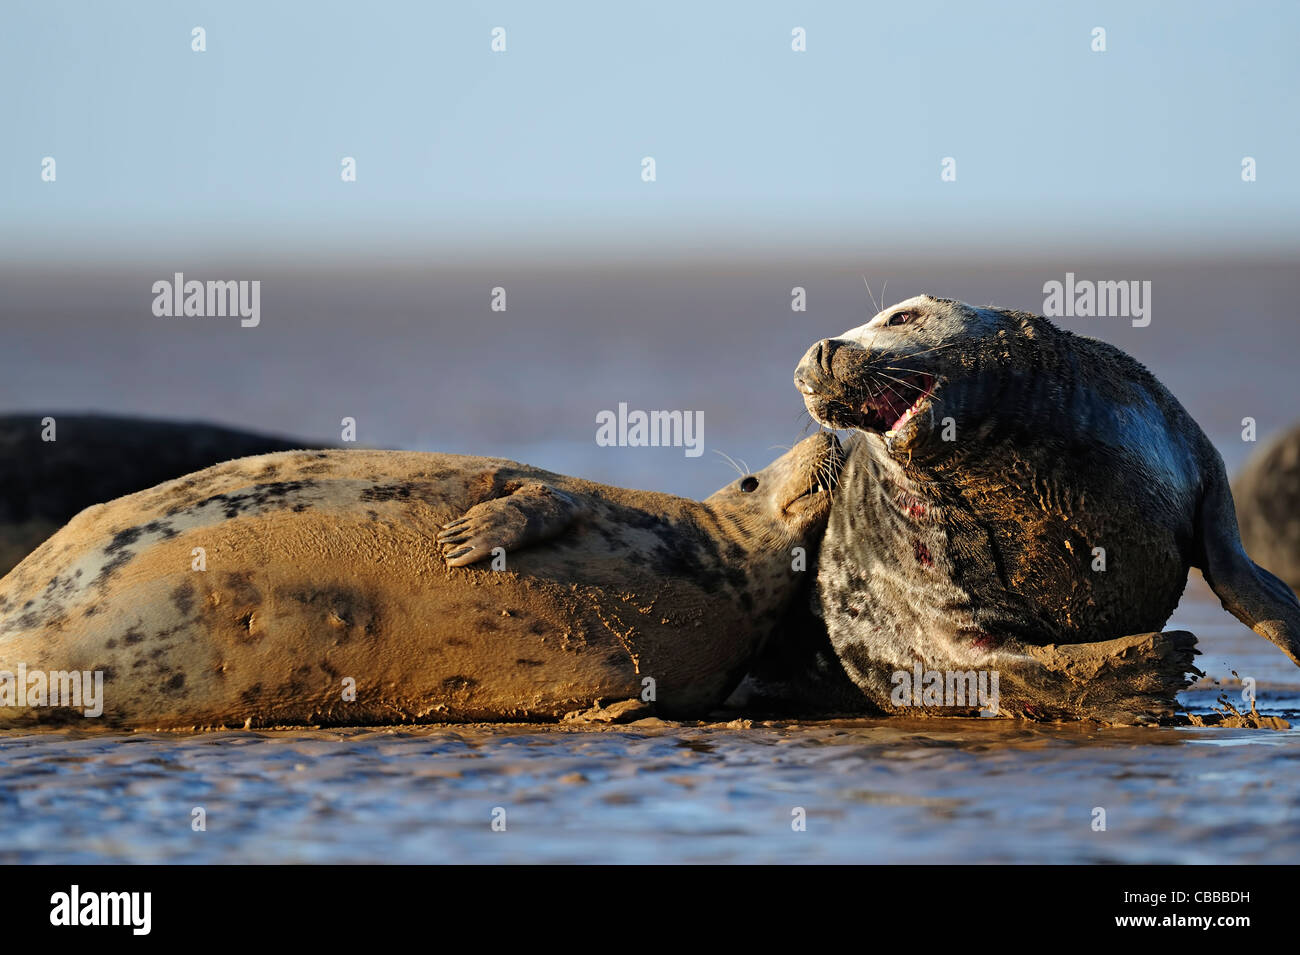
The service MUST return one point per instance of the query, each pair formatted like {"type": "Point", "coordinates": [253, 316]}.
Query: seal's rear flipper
{"type": "Point", "coordinates": [1127, 681]}
{"type": "Point", "coordinates": [1249, 592]}
{"type": "Point", "coordinates": [528, 515]}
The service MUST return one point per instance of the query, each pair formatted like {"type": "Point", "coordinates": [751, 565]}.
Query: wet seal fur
{"type": "Point", "coordinates": [977, 553]}
{"type": "Point", "coordinates": [327, 565]}
{"type": "Point", "coordinates": [1267, 492]}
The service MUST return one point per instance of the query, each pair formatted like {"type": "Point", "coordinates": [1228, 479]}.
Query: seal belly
{"type": "Point", "coordinates": [888, 592]}
{"type": "Point", "coordinates": [968, 573]}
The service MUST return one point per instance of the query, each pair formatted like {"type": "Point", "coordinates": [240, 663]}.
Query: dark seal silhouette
{"type": "Point", "coordinates": [95, 458]}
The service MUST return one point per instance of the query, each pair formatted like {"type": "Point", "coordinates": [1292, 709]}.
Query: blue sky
{"type": "Point", "coordinates": [538, 149]}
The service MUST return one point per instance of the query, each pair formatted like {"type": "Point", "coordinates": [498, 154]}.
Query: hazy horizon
{"type": "Point", "coordinates": [535, 152]}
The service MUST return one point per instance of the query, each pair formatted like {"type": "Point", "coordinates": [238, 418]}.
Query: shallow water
{"type": "Point", "coordinates": [873, 790]}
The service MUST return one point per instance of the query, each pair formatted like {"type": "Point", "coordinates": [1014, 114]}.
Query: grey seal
{"type": "Point", "coordinates": [1267, 492]}
{"type": "Point", "coordinates": [1023, 500]}
{"type": "Point", "coordinates": [375, 571]}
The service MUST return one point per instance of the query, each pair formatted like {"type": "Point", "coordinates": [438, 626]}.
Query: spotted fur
{"type": "Point", "coordinates": [323, 566]}
{"type": "Point", "coordinates": [977, 552]}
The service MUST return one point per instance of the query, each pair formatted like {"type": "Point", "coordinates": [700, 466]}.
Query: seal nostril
{"type": "Point", "coordinates": [826, 350]}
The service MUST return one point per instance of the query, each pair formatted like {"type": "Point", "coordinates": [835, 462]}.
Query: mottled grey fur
{"type": "Point", "coordinates": [970, 553]}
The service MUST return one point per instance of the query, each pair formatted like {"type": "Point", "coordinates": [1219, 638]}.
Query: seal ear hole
{"type": "Point", "coordinates": [749, 484]}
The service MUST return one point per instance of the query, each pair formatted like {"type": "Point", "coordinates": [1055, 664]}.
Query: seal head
{"type": "Point", "coordinates": [786, 502]}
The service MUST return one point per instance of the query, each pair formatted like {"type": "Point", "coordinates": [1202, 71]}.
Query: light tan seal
{"type": "Point", "coordinates": [324, 570]}
{"type": "Point", "coordinates": [1016, 497]}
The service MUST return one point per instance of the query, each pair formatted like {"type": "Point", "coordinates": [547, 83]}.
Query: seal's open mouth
{"type": "Point", "coordinates": [894, 401]}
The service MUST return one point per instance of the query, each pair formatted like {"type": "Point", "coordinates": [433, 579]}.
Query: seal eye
{"type": "Point", "coordinates": [900, 318]}
{"type": "Point", "coordinates": [749, 484]}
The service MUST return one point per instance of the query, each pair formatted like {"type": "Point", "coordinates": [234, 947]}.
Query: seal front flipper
{"type": "Point", "coordinates": [1127, 681]}
{"type": "Point", "coordinates": [529, 514]}
{"type": "Point", "coordinates": [1248, 592]}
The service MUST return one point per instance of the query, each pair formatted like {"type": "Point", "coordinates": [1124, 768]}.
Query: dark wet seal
{"type": "Point", "coordinates": [989, 532]}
